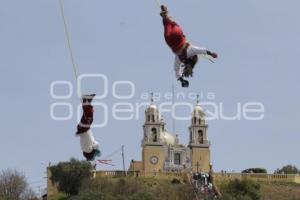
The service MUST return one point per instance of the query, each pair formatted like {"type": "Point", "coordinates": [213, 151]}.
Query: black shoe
{"type": "Point", "coordinates": [184, 83]}
{"type": "Point", "coordinates": [88, 98]}
{"type": "Point", "coordinates": [164, 8]}
{"type": "Point", "coordinates": [164, 11]}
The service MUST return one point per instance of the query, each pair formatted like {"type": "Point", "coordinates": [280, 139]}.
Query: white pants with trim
{"type": "Point", "coordinates": [191, 51]}
{"type": "Point", "coordinates": [88, 142]}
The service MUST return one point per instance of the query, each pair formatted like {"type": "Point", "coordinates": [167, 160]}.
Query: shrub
{"type": "Point", "coordinates": [69, 175]}
{"type": "Point", "coordinates": [255, 170]}
{"type": "Point", "coordinates": [242, 190]}
{"type": "Point", "coordinates": [288, 169]}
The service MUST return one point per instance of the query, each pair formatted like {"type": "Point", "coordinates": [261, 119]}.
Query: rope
{"type": "Point", "coordinates": [69, 42]}
{"type": "Point", "coordinates": [112, 154]}
{"type": "Point", "coordinates": [158, 3]}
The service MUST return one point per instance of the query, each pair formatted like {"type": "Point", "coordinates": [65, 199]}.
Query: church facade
{"type": "Point", "coordinates": [163, 152]}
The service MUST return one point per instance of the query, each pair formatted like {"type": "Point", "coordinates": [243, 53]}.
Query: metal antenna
{"type": "Point", "coordinates": [123, 158]}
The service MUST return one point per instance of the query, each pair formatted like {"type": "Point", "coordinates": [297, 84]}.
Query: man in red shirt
{"type": "Point", "coordinates": [185, 53]}
{"type": "Point", "coordinates": [89, 146]}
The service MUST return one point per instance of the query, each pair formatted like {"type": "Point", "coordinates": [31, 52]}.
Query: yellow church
{"type": "Point", "coordinates": [162, 151]}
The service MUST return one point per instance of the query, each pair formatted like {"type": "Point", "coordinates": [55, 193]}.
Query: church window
{"type": "Point", "coordinates": [148, 118]}
{"type": "Point", "coordinates": [153, 118]}
{"type": "Point", "coordinates": [177, 160]}
{"type": "Point", "coordinates": [154, 134]}
{"type": "Point", "coordinates": [200, 136]}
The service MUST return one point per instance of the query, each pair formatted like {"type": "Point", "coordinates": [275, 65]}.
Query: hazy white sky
{"type": "Point", "coordinates": [258, 43]}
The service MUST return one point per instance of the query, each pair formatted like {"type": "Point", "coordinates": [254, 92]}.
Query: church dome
{"type": "Point", "coordinates": [198, 110]}
{"type": "Point", "coordinates": [152, 109]}
{"type": "Point", "coordinates": [152, 113]}
{"type": "Point", "coordinates": [152, 106]}
{"type": "Point", "coordinates": [169, 138]}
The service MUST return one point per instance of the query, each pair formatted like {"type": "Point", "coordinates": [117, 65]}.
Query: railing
{"type": "Point", "coordinates": [261, 177]}
{"type": "Point", "coordinates": [136, 173]}
{"type": "Point", "coordinates": [109, 173]}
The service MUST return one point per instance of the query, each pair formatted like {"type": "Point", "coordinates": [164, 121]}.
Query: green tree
{"type": "Point", "coordinates": [255, 170]}
{"type": "Point", "coordinates": [288, 169]}
{"type": "Point", "coordinates": [69, 175]}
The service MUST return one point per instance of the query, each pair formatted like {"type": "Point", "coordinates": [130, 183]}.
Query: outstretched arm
{"type": "Point", "coordinates": [194, 50]}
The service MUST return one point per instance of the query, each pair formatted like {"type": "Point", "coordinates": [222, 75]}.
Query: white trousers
{"type": "Point", "coordinates": [191, 51]}
{"type": "Point", "coordinates": [88, 142]}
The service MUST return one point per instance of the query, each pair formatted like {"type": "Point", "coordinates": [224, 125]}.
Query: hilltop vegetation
{"type": "Point", "coordinates": [75, 183]}
{"type": "Point", "coordinates": [265, 190]}
{"type": "Point", "coordinates": [280, 191]}
{"type": "Point", "coordinates": [131, 188]}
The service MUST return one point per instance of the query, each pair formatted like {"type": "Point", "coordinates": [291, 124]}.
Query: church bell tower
{"type": "Point", "coordinates": [153, 155]}
{"type": "Point", "coordinates": [198, 142]}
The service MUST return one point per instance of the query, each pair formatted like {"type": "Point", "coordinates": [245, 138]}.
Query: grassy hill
{"type": "Point", "coordinates": [280, 191]}
{"type": "Point", "coordinates": [131, 188]}
{"type": "Point", "coordinates": [272, 190]}
{"type": "Point", "coordinates": [162, 189]}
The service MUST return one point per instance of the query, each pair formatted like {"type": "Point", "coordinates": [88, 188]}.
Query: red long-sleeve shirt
{"type": "Point", "coordinates": [86, 119]}
{"type": "Point", "coordinates": [173, 35]}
